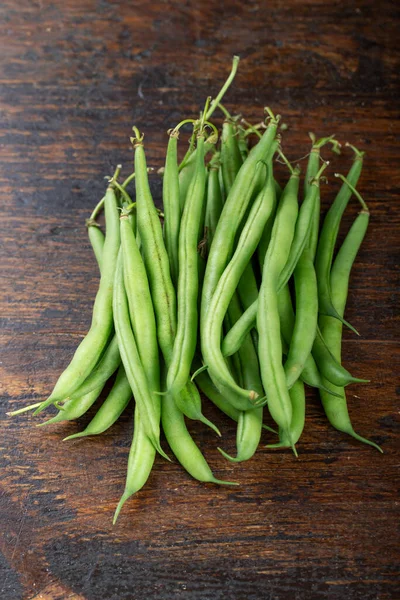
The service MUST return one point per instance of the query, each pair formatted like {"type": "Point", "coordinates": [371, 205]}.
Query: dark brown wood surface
{"type": "Point", "coordinates": [75, 76]}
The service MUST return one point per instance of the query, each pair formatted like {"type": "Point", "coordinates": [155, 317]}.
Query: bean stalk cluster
{"type": "Point", "coordinates": [233, 291]}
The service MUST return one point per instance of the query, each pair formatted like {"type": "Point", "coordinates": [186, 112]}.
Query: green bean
{"type": "Point", "coordinates": [303, 224]}
{"type": "Point", "coordinates": [305, 326]}
{"type": "Point", "coordinates": [231, 158]}
{"type": "Point", "coordinates": [310, 374]}
{"type": "Point", "coordinates": [250, 421]}
{"type": "Point", "coordinates": [96, 238]}
{"type": "Point", "coordinates": [187, 171]}
{"type": "Point", "coordinates": [107, 365]}
{"type": "Point", "coordinates": [303, 227]}
{"type": "Point", "coordinates": [154, 253]}
{"type": "Point", "coordinates": [111, 409]}
{"type": "Point", "coordinates": [214, 199]}
{"type": "Point", "coordinates": [140, 305]}
{"type": "Point", "coordinates": [140, 462]}
{"type": "Point", "coordinates": [336, 409]}
{"type": "Point", "coordinates": [249, 179]}
{"type": "Point", "coordinates": [327, 240]}
{"type": "Point", "coordinates": [188, 282]}
{"type": "Point", "coordinates": [261, 210]}
{"type": "Point", "coordinates": [268, 322]}
{"type": "Point", "coordinates": [236, 335]}
{"type": "Point", "coordinates": [162, 290]}
{"type": "Point", "coordinates": [172, 209]}
{"type": "Point", "coordinates": [74, 408]}
{"type": "Point", "coordinates": [298, 401]}
{"type": "Point", "coordinates": [182, 444]}
{"type": "Point", "coordinates": [312, 170]}
{"type": "Point", "coordinates": [90, 349]}
{"type": "Point", "coordinates": [131, 360]}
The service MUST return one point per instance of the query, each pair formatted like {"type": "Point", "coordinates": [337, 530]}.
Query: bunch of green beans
{"type": "Point", "coordinates": [232, 290]}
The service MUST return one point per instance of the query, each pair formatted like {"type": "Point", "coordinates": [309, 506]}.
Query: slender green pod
{"type": "Point", "coordinates": [248, 181]}
{"type": "Point", "coordinates": [154, 253]}
{"type": "Point", "coordinates": [107, 365]}
{"type": "Point", "coordinates": [140, 462]}
{"type": "Point", "coordinates": [305, 326]}
{"type": "Point", "coordinates": [96, 238]}
{"type": "Point", "coordinates": [336, 408]}
{"type": "Point", "coordinates": [250, 421]}
{"type": "Point", "coordinates": [268, 322]}
{"type": "Point", "coordinates": [188, 282]}
{"type": "Point", "coordinates": [111, 409]}
{"type": "Point", "coordinates": [327, 240]}
{"type": "Point", "coordinates": [231, 158]}
{"type": "Point", "coordinates": [182, 444]}
{"type": "Point", "coordinates": [302, 230]}
{"type": "Point", "coordinates": [74, 408]}
{"type": "Point", "coordinates": [212, 327]}
{"type": "Point", "coordinates": [171, 204]}
{"type": "Point", "coordinates": [162, 290]}
{"type": "Point", "coordinates": [90, 349]}
{"type": "Point", "coordinates": [140, 304]}
{"type": "Point", "coordinates": [313, 166]}
{"type": "Point", "coordinates": [131, 360]}
{"type": "Point", "coordinates": [310, 374]}
{"type": "Point", "coordinates": [303, 227]}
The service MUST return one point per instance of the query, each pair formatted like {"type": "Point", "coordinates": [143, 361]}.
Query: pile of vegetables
{"type": "Point", "coordinates": [232, 290]}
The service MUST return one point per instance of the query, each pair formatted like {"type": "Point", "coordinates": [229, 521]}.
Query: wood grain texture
{"type": "Point", "coordinates": [74, 76]}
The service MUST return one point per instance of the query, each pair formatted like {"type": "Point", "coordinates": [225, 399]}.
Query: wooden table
{"type": "Point", "coordinates": [75, 75]}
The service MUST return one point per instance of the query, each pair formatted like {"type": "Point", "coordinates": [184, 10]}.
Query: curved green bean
{"type": "Point", "coordinates": [172, 209]}
{"type": "Point", "coordinates": [90, 349]}
{"type": "Point", "coordinates": [327, 240]}
{"type": "Point", "coordinates": [336, 408]}
{"type": "Point", "coordinates": [111, 409]}
{"type": "Point", "coordinates": [268, 322]}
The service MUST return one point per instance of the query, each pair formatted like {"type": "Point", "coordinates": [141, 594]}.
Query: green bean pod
{"type": "Point", "coordinates": [306, 321]}
{"type": "Point", "coordinates": [90, 349]}
{"type": "Point", "coordinates": [140, 462]}
{"type": "Point", "coordinates": [313, 166]}
{"type": "Point", "coordinates": [310, 374]}
{"type": "Point", "coordinates": [304, 225]}
{"type": "Point", "coordinates": [182, 444]}
{"type": "Point", "coordinates": [248, 181]}
{"type": "Point", "coordinates": [75, 408]}
{"type": "Point", "coordinates": [107, 365]}
{"type": "Point", "coordinates": [268, 322]}
{"type": "Point", "coordinates": [171, 205]}
{"type": "Point", "coordinates": [154, 254]}
{"type": "Point", "coordinates": [298, 400]}
{"type": "Point", "coordinates": [96, 238]}
{"type": "Point", "coordinates": [131, 360]}
{"type": "Point", "coordinates": [140, 305]}
{"type": "Point", "coordinates": [111, 409]}
{"type": "Point", "coordinates": [336, 408]}
{"type": "Point", "coordinates": [162, 290]}
{"type": "Point", "coordinates": [188, 281]}
{"type": "Point", "coordinates": [327, 240]}
{"type": "Point", "coordinates": [231, 158]}
{"type": "Point", "coordinates": [186, 172]}
{"type": "Point", "coordinates": [261, 210]}
{"type": "Point", "coordinates": [250, 421]}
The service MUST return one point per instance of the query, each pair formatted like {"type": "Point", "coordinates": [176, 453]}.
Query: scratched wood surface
{"type": "Point", "coordinates": [75, 75]}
